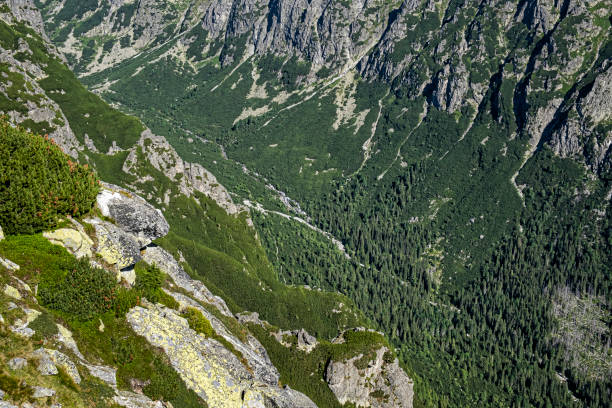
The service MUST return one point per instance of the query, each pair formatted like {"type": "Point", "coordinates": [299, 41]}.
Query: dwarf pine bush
{"type": "Point", "coordinates": [39, 183]}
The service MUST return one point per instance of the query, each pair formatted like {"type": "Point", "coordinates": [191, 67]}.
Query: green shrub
{"type": "Point", "coordinates": [83, 293]}
{"type": "Point", "coordinates": [44, 326]}
{"type": "Point", "coordinates": [39, 183]}
{"type": "Point", "coordinates": [198, 322]}
{"type": "Point", "coordinates": [16, 388]}
{"type": "Point", "coordinates": [149, 279]}
{"type": "Point", "coordinates": [123, 351]}
{"type": "Point", "coordinates": [125, 300]}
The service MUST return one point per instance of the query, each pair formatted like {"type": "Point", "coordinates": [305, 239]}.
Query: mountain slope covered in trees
{"type": "Point", "coordinates": [444, 164]}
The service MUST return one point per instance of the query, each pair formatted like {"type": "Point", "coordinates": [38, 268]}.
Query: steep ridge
{"type": "Point", "coordinates": [199, 224]}
{"type": "Point", "coordinates": [487, 136]}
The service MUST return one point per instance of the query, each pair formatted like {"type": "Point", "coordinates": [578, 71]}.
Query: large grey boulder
{"type": "Point", "coordinates": [132, 214]}
{"type": "Point", "coordinates": [115, 246]}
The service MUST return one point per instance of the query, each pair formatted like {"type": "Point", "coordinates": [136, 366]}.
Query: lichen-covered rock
{"type": "Point", "coordinates": [132, 214]}
{"type": "Point", "coordinates": [76, 242]}
{"type": "Point", "coordinates": [253, 352]}
{"type": "Point", "coordinates": [46, 366]}
{"type": "Point", "coordinates": [20, 326]}
{"type": "Point", "coordinates": [106, 374]}
{"type": "Point", "coordinates": [12, 292]}
{"type": "Point", "coordinates": [115, 246]}
{"type": "Point", "coordinates": [58, 359]}
{"type": "Point", "coordinates": [380, 384]}
{"type": "Point", "coordinates": [158, 256]}
{"type": "Point", "coordinates": [132, 400]}
{"type": "Point", "coordinates": [206, 366]}
{"type": "Point", "coordinates": [65, 336]}
{"type": "Point", "coordinates": [42, 392]}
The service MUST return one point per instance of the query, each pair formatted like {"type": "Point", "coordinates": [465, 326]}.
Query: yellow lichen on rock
{"type": "Point", "coordinates": [111, 254]}
{"type": "Point", "coordinates": [204, 364]}
{"type": "Point", "coordinates": [77, 242]}
{"type": "Point", "coordinates": [12, 292]}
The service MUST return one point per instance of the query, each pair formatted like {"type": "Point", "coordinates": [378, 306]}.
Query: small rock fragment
{"type": "Point", "coordinates": [42, 392]}
{"type": "Point", "coordinates": [8, 264]}
{"type": "Point", "coordinates": [17, 363]}
{"type": "Point", "coordinates": [4, 404]}
{"type": "Point", "coordinates": [2, 394]}
{"type": "Point", "coordinates": [1, 233]}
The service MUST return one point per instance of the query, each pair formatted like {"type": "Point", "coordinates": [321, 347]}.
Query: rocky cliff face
{"type": "Point", "coordinates": [455, 55]}
{"type": "Point", "coordinates": [374, 380]}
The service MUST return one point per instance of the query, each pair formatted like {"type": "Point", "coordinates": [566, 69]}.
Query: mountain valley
{"type": "Point", "coordinates": [374, 202]}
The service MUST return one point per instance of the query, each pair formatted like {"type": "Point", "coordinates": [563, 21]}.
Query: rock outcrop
{"type": "Point", "coordinates": [188, 177]}
{"type": "Point", "coordinates": [132, 214]}
{"type": "Point", "coordinates": [158, 256]}
{"type": "Point", "coordinates": [208, 368]}
{"type": "Point", "coordinates": [75, 241]}
{"type": "Point", "coordinates": [370, 381]}
{"type": "Point", "coordinates": [50, 359]}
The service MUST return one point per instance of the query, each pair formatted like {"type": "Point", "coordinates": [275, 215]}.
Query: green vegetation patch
{"type": "Point", "coordinates": [83, 292]}
{"type": "Point", "coordinates": [39, 183]}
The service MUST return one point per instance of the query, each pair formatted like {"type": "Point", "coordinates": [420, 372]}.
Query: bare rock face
{"type": "Point", "coordinates": [189, 177]}
{"type": "Point", "coordinates": [208, 368]}
{"type": "Point", "coordinates": [161, 258]}
{"type": "Point", "coordinates": [370, 381]}
{"type": "Point", "coordinates": [584, 135]}
{"type": "Point", "coordinates": [26, 11]}
{"type": "Point", "coordinates": [132, 214]}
